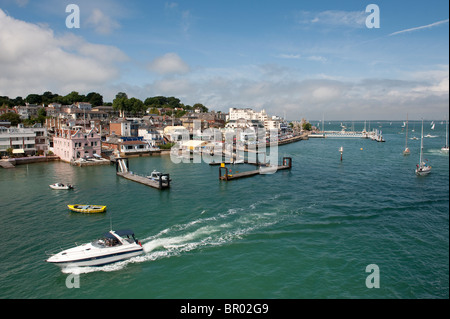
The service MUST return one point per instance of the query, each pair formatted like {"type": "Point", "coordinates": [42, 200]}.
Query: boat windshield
{"type": "Point", "coordinates": [106, 242]}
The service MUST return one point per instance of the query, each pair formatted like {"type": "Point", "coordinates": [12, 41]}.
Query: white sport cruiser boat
{"type": "Point", "coordinates": [61, 186]}
{"type": "Point", "coordinates": [112, 247]}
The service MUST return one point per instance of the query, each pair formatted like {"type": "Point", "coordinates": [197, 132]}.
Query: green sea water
{"type": "Point", "coordinates": [305, 233]}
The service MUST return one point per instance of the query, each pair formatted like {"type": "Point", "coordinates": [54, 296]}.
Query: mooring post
{"type": "Point", "coordinates": [222, 166]}
{"type": "Point", "coordinates": [287, 161]}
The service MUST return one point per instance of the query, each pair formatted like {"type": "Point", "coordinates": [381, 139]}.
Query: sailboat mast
{"type": "Point", "coordinates": [421, 146]}
{"type": "Point", "coordinates": [446, 133]}
{"type": "Point", "coordinates": [406, 142]}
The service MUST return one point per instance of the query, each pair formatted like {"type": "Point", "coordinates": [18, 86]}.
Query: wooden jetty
{"type": "Point", "coordinates": [225, 176]}
{"type": "Point", "coordinates": [146, 181]}
{"type": "Point", "coordinates": [122, 170]}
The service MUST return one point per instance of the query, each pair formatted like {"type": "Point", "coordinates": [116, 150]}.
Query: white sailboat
{"type": "Point", "coordinates": [406, 151]}
{"type": "Point", "coordinates": [422, 168]}
{"type": "Point", "coordinates": [432, 125]}
{"type": "Point", "coordinates": [445, 148]}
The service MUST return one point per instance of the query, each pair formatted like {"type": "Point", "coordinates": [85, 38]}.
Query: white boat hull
{"type": "Point", "coordinates": [53, 186]}
{"type": "Point", "coordinates": [424, 171]}
{"type": "Point", "coordinates": [110, 249]}
{"type": "Point", "coordinates": [96, 260]}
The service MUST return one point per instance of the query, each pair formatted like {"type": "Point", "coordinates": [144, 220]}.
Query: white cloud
{"type": "Point", "coordinates": [34, 60]}
{"type": "Point", "coordinates": [169, 63]}
{"type": "Point", "coordinates": [317, 58]}
{"type": "Point", "coordinates": [421, 27]}
{"type": "Point", "coordinates": [289, 56]}
{"type": "Point", "coordinates": [186, 19]}
{"type": "Point", "coordinates": [279, 89]}
{"type": "Point", "coordinates": [250, 86]}
{"type": "Point", "coordinates": [21, 3]}
{"type": "Point", "coordinates": [354, 19]}
{"type": "Point", "coordinates": [170, 5]}
{"type": "Point", "coordinates": [101, 23]}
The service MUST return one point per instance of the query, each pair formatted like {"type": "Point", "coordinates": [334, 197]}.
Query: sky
{"type": "Point", "coordinates": [296, 59]}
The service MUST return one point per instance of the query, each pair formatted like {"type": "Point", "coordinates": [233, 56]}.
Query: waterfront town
{"type": "Point", "coordinates": [85, 134]}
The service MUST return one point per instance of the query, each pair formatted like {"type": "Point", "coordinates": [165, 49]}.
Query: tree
{"type": "Point", "coordinates": [120, 103]}
{"type": "Point", "coordinates": [306, 126]}
{"type": "Point", "coordinates": [9, 151]}
{"type": "Point", "coordinates": [94, 98]}
{"type": "Point", "coordinates": [18, 101]}
{"type": "Point", "coordinates": [14, 118]}
{"type": "Point", "coordinates": [173, 102]}
{"type": "Point", "coordinates": [74, 97]}
{"type": "Point", "coordinates": [180, 113]}
{"type": "Point", "coordinates": [201, 107]}
{"type": "Point", "coordinates": [41, 114]}
{"type": "Point", "coordinates": [153, 110]}
{"type": "Point", "coordinates": [135, 106]}
{"type": "Point", "coordinates": [48, 97]}
{"type": "Point", "coordinates": [33, 99]}
{"type": "Point", "coordinates": [5, 101]}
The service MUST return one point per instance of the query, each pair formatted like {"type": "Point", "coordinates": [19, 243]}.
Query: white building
{"type": "Point", "coordinates": [246, 114]}
{"type": "Point", "coordinates": [84, 106]}
{"type": "Point", "coordinates": [151, 135]}
{"type": "Point", "coordinates": [23, 140]}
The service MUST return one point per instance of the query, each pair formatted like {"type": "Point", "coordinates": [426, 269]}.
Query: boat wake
{"type": "Point", "coordinates": [436, 152]}
{"type": "Point", "coordinates": [218, 230]}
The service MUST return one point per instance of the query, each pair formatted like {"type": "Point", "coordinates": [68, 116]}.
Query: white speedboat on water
{"type": "Point", "coordinates": [61, 186]}
{"type": "Point", "coordinates": [112, 247]}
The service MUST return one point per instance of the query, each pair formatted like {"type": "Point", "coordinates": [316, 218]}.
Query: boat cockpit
{"type": "Point", "coordinates": [112, 239]}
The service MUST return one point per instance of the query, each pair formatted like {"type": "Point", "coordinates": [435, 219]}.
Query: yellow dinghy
{"type": "Point", "coordinates": [90, 209]}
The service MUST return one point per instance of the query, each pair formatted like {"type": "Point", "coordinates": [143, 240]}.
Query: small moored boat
{"type": "Point", "coordinates": [268, 169]}
{"type": "Point", "coordinates": [111, 247]}
{"type": "Point", "coordinates": [156, 176]}
{"type": "Point", "coordinates": [61, 186]}
{"type": "Point", "coordinates": [422, 168]}
{"type": "Point", "coordinates": [87, 208]}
